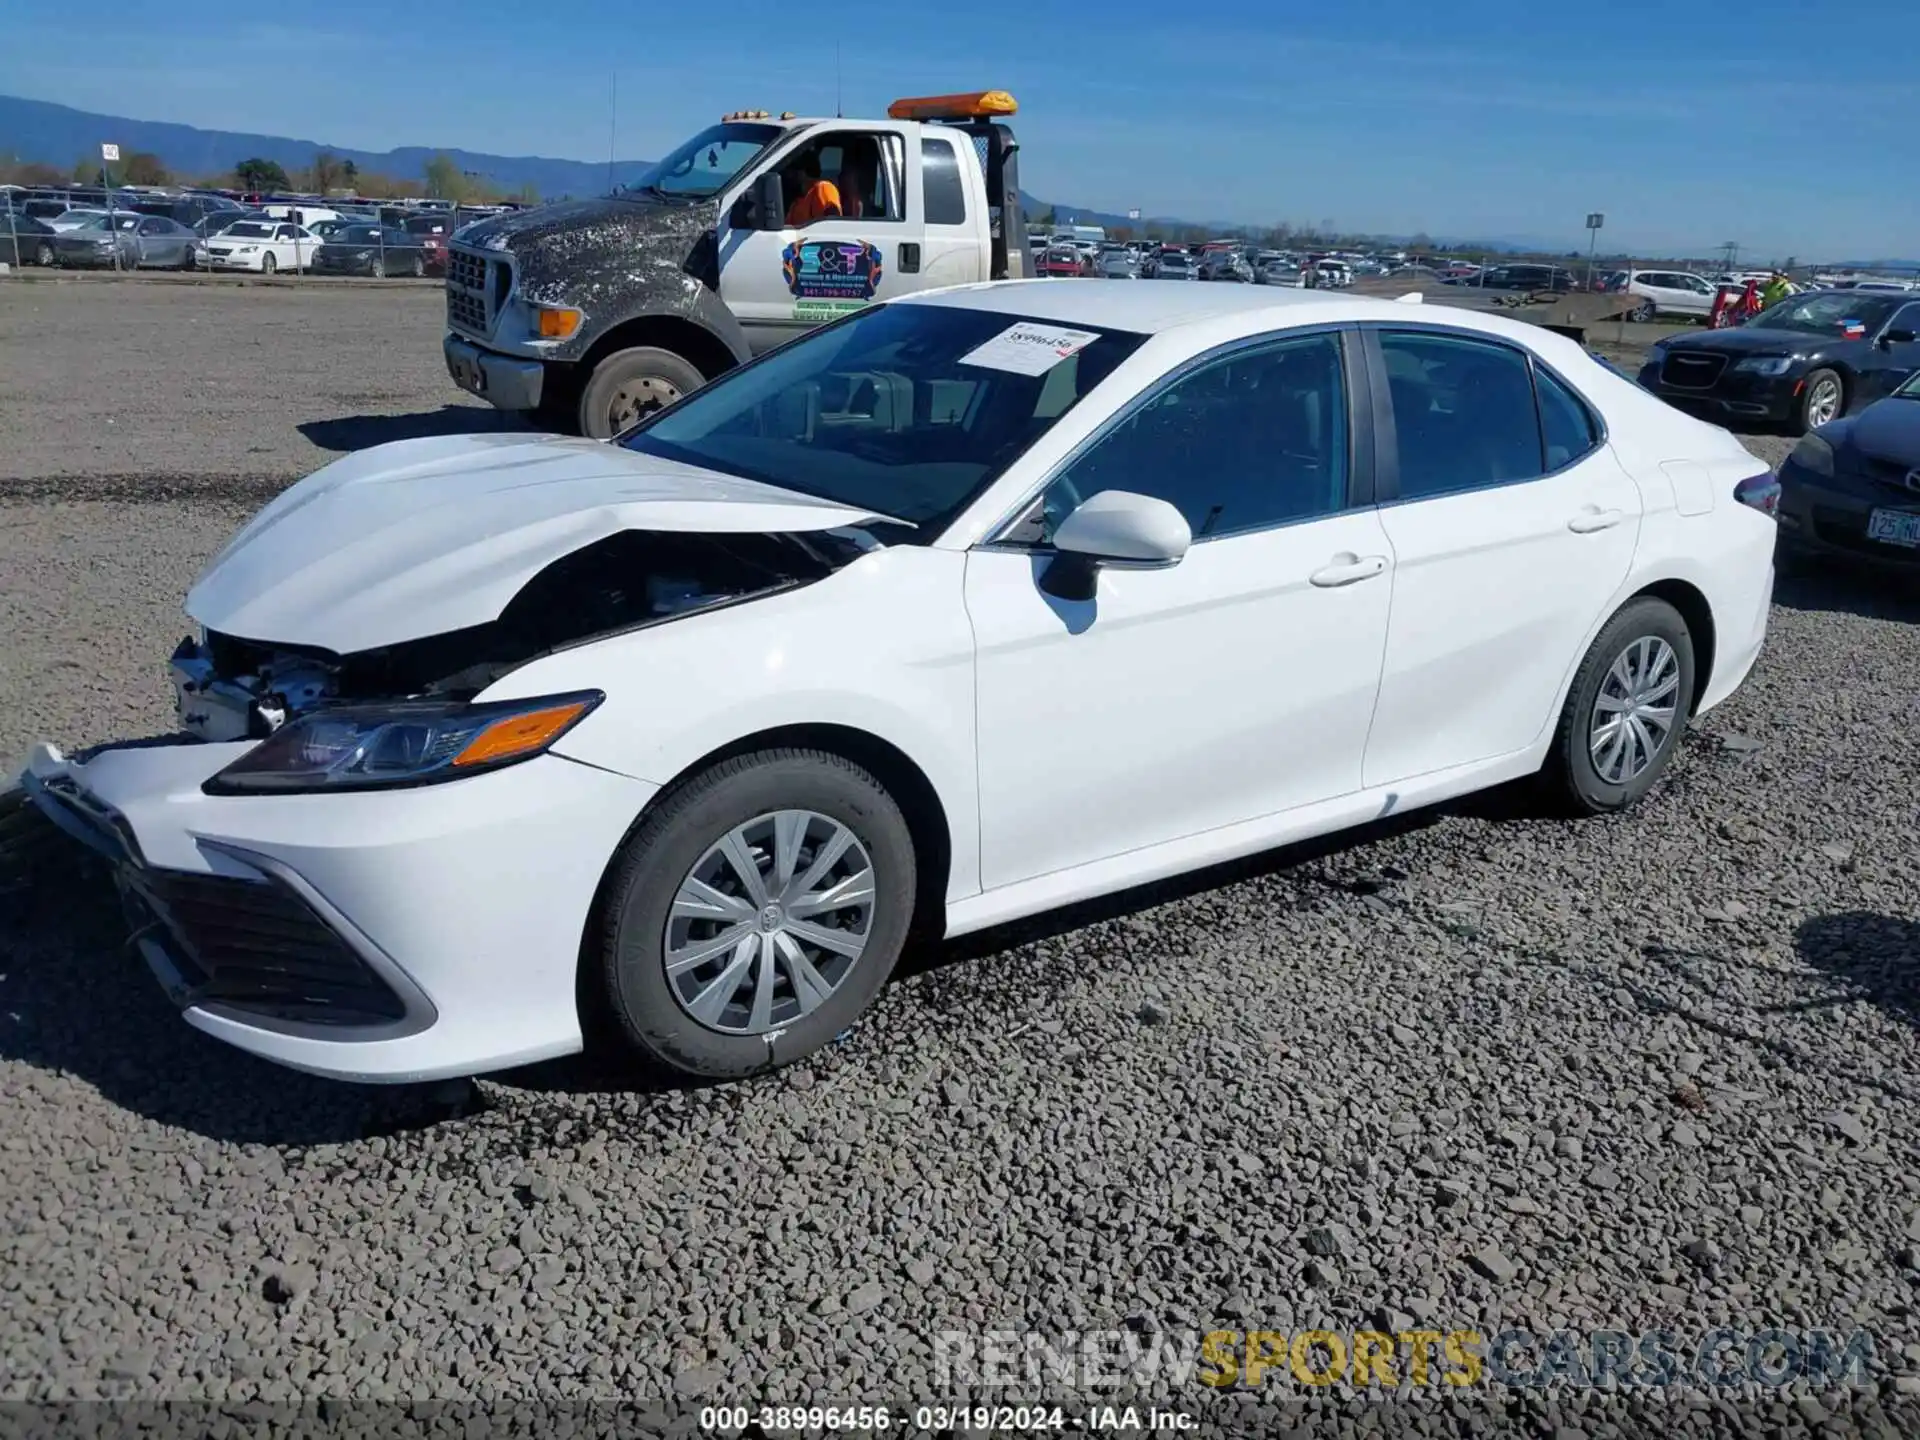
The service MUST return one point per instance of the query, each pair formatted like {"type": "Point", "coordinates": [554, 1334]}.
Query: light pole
{"type": "Point", "coordinates": [1594, 221]}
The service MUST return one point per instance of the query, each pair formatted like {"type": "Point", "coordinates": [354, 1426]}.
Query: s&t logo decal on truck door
{"type": "Point", "coordinates": [828, 278]}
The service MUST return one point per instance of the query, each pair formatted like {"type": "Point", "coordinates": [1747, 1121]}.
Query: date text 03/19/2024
{"type": "Point", "coordinates": [773, 1420]}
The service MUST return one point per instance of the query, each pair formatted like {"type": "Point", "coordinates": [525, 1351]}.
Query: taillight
{"type": "Point", "coordinates": [1762, 492]}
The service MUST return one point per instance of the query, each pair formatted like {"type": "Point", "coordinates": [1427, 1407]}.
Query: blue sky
{"type": "Point", "coordinates": [1688, 125]}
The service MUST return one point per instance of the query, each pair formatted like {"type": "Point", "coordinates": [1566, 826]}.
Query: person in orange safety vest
{"type": "Point", "coordinates": [817, 197]}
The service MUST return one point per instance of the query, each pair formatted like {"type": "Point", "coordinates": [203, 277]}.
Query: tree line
{"type": "Point", "coordinates": [441, 178]}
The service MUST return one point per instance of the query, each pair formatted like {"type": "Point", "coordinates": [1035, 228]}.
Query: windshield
{"type": "Point", "coordinates": [1823, 314]}
{"type": "Point", "coordinates": [249, 230]}
{"type": "Point", "coordinates": [706, 164]}
{"type": "Point", "coordinates": [359, 234]}
{"type": "Point", "coordinates": [1910, 390]}
{"type": "Point", "coordinates": [905, 410]}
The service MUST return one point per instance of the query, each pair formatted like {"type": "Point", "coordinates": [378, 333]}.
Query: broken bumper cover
{"type": "Point", "coordinates": [501, 380]}
{"type": "Point", "coordinates": [384, 936]}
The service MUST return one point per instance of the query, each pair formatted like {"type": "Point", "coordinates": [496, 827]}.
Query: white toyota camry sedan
{"type": "Point", "coordinates": [961, 608]}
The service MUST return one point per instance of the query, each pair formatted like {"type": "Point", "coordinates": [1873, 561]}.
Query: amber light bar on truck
{"type": "Point", "coordinates": [977, 105]}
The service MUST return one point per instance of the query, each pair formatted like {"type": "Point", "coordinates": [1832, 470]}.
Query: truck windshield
{"type": "Point", "coordinates": [706, 164]}
{"type": "Point", "coordinates": [907, 410]}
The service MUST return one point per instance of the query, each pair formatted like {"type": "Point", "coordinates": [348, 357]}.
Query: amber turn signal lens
{"type": "Point", "coordinates": [522, 734]}
{"type": "Point", "coordinates": [557, 324]}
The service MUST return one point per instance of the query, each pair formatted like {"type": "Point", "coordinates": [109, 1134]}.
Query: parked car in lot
{"type": "Point", "coordinates": [1175, 265]}
{"type": "Point", "coordinates": [1275, 271]}
{"type": "Point", "coordinates": [1146, 584]}
{"type": "Point", "coordinates": [432, 231]}
{"type": "Point", "coordinates": [25, 240]}
{"type": "Point", "coordinates": [1851, 489]}
{"type": "Point", "coordinates": [75, 216]}
{"type": "Point", "coordinates": [1540, 278]}
{"type": "Point", "coordinates": [264, 246]}
{"type": "Point", "coordinates": [141, 241]}
{"type": "Point", "coordinates": [1663, 292]}
{"type": "Point", "coordinates": [1062, 261]}
{"type": "Point", "coordinates": [1226, 265]}
{"type": "Point", "coordinates": [374, 250]}
{"type": "Point", "coordinates": [1117, 265]}
{"type": "Point", "coordinates": [1799, 363]}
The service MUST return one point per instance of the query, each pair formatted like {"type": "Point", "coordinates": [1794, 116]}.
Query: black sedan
{"type": "Point", "coordinates": [1799, 363]}
{"type": "Point", "coordinates": [25, 240]}
{"type": "Point", "coordinates": [375, 250]}
{"type": "Point", "coordinates": [1852, 488]}
{"type": "Point", "coordinates": [141, 240]}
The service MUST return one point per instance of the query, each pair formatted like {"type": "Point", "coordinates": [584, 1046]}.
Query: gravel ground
{"type": "Point", "coordinates": [1477, 1071]}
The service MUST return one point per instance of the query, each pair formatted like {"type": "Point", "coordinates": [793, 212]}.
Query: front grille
{"type": "Point", "coordinates": [477, 287]}
{"type": "Point", "coordinates": [1690, 370]}
{"type": "Point", "coordinates": [256, 946]}
{"type": "Point", "coordinates": [1901, 475]}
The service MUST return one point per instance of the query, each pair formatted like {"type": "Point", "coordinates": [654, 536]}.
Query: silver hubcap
{"type": "Point", "coordinates": [769, 923]}
{"type": "Point", "coordinates": [1633, 716]}
{"type": "Point", "coordinates": [640, 397]}
{"type": "Point", "coordinates": [1824, 403]}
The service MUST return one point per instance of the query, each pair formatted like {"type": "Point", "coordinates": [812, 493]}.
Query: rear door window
{"type": "Point", "coordinates": [1464, 413]}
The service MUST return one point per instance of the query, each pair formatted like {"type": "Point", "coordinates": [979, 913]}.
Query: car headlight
{"type": "Point", "coordinates": [1814, 454]}
{"type": "Point", "coordinates": [247, 249]}
{"type": "Point", "coordinates": [406, 743]}
{"type": "Point", "coordinates": [1774, 365]}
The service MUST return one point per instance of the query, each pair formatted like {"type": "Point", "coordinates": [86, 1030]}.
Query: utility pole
{"type": "Point", "coordinates": [613, 123]}
{"type": "Point", "coordinates": [1594, 221]}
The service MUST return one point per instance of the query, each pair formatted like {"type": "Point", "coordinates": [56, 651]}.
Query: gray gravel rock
{"type": "Point", "coordinates": [571, 1231]}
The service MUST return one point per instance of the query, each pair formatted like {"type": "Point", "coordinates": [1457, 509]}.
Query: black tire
{"type": "Point", "coordinates": [1643, 313]}
{"type": "Point", "coordinates": [419, 267]}
{"type": "Point", "coordinates": [1803, 413]}
{"type": "Point", "coordinates": [658, 856]}
{"type": "Point", "coordinates": [268, 264]}
{"type": "Point", "coordinates": [1572, 779]}
{"type": "Point", "coordinates": [186, 257]}
{"type": "Point", "coordinates": [377, 270]}
{"type": "Point", "coordinates": [44, 255]}
{"type": "Point", "coordinates": [607, 402]}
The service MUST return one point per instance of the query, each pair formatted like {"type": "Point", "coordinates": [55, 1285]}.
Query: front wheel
{"type": "Point", "coordinates": [268, 264]}
{"type": "Point", "coordinates": [756, 913]}
{"type": "Point", "coordinates": [378, 269]}
{"type": "Point", "coordinates": [419, 267]}
{"type": "Point", "coordinates": [44, 256]}
{"type": "Point", "coordinates": [631, 384]}
{"type": "Point", "coordinates": [1823, 396]}
{"type": "Point", "coordinates": [1628, 703]}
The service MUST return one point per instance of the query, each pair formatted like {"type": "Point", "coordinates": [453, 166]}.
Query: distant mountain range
{"type": "Point", "coordinates": [37, 130]}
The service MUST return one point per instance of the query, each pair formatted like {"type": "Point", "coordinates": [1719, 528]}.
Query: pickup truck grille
{"type": "Point", "coordinates": [477, 286]}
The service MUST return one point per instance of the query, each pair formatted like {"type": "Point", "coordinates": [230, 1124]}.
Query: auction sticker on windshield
{"type": "Point", "coordinates": [1028, 348]}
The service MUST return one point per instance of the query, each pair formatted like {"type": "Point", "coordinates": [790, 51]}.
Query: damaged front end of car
{"type": "Point", "coordinates": [229, 688]}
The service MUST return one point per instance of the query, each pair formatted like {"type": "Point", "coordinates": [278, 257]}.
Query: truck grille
{"type": "Point", "coordinates": [257, 946]}
{"type": "Point", "coordinates": [477, 287]}
{"type": "Point", "coordinates": [1691, 370]}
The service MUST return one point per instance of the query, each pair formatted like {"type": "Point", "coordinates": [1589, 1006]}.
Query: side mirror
{"type": "Point", "coordinates": [1115, 528]}
{"type": "Point", "coordinates": [1898, 337]}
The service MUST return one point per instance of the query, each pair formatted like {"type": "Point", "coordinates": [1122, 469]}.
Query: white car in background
{"type": "Point", "coordinates": [1667, 292]}
{"type": "Point", "coordinates": [961, 608]}
{"type": "Point", "coordinates": [264, 246]}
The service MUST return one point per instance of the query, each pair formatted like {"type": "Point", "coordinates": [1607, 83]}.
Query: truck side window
{"type": "Point", "coordinates": [866, 169]}
{"type": "Point", "coordinates": [940, 180]}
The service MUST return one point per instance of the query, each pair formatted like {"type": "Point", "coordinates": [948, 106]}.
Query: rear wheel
{"type": "Point", "coordinates": [631, 384]}
{"type": "Point", "coordinates": [1642, 313]}
{"type": "Point", "coordinates": [1823, 397]}
{"type": "Point", "coordinates": [44, 255]}
{"type": "Point", "coordinates": [1625, 710]}
{"type": "Point", "coordinates": [378, 269]}
{"type": "Point", "coordinates": [419, 267]}
{"type": "Point", "coordinates": [756, 913]}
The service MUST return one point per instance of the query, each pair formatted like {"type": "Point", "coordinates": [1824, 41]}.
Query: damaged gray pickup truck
{"type": "Point", "coordinates": [593, 313]}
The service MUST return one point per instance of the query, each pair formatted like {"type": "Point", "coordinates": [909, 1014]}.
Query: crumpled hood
{"type": "Point", "coordinates": [421, 537]}
{"type": "Point", "coordinates": [564, 252]}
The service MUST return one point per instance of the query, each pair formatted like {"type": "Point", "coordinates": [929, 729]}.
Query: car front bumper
{"type": "Point", "coordinates": [504, 381]}
{"type": "Point", "coordinates": [1736, 395]}
{"type": "Point", "coordinates": [387, 936]}
{"type": "Point", "coordinates": [1823, 516]}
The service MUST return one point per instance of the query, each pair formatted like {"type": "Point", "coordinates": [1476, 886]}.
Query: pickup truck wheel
{"type": "Point", "coordinates": [631, 384]}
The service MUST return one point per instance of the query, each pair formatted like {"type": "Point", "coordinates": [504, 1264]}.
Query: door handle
{"type": "Point", "coordinates": [1591, 519]}
{"type": "Point", "coordinates": [1348, 568]}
